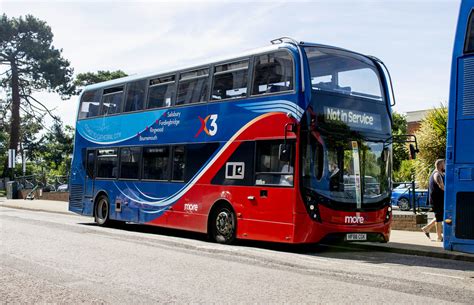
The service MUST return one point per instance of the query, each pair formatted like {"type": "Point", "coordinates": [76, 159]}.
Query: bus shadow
{"type": "Point", "coordinates": [329, 249]}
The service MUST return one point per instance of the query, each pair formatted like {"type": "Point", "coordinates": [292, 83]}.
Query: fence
{"type": "Point", "coordinates": [47, 184]}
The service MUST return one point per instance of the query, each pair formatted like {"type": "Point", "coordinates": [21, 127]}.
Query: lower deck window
{"type": "Point", "coordinates": [130, 162]}
{"type": "Point", "coordinates": [178, 163]}
{"type": "Point", "coordinates": [155, 163]}
{"type": "Point", "coordinates": [107, 163]}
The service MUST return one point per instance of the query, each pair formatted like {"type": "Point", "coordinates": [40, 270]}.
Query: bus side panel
{"type": "Point", "coordinates": [76, 182]}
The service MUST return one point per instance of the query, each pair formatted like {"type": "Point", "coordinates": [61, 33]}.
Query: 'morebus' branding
{"type": "Point", "coordinates": [353, 118]}
{"type": "Point", "coordinates": [354, 219]}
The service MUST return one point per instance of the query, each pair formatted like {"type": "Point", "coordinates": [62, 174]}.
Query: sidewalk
{"type": "Point", "coordinates": [36, 205]}
{"type": "Point", "coordinates": [404, 242]}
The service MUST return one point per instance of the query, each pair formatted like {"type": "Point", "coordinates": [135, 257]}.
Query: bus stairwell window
{"type": "Point", "coordinates": [469, 44]}
{"type": "Point", "coordinates": [273, 73]}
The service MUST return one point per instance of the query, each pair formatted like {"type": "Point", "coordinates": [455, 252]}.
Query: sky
{"type": "Point", "coordinates": [413, 38]}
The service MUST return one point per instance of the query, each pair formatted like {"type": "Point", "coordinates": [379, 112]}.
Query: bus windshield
{"type": "Point", "coordinates": [347, 171]}
{"type": "Point", "coordinates": [344, 73]}
{"type": "Point", "coordinates": [345, 158]}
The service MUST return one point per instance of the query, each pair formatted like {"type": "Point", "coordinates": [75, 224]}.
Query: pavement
{"type": "Point", "coordinates": [402, 242]}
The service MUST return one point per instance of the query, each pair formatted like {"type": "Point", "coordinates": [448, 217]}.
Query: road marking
{"type": "Point", "coordinates": [450, 276]}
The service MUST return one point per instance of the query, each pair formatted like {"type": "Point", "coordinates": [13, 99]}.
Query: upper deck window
{"type": "Point", "coordinates": [344, 73]}
{"type": "Point", "coordinates": [193, 87]}
{"type": "Point", "coordinates": [135, 96]}
{"type": "Point", "coordinates": [273, 73]}
{"type": "Point", "coordinates": [90, 103]}
{"type": "Point", "coordinates": [161, 92]}
{"type": "Point", "coordinates": [112, 100]}
{"type": "Point", "coordinates": [469, 45]}
{"type": "Point", "coordinates": [230, 80]}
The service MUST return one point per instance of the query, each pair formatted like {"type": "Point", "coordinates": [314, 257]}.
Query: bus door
{"type": "Point", "coordinates": [270, 199]}
{"type": "Point", "coordinates": [90, 173]}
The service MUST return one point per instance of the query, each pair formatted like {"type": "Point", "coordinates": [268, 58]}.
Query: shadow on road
{"type": "Point", "coordinates": [328, 249]}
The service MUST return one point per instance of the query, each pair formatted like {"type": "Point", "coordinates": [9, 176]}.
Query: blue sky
{"type": "Point", "coordinates": [413, 38]}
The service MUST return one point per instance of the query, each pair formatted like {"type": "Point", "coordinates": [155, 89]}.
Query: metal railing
{"type": "Point", "coordinates": [48, 184]}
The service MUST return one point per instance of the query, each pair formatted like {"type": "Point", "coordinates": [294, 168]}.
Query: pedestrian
{"type": "Point", "coordinates": [436, 199]}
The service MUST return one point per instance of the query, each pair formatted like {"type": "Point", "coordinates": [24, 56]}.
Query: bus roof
{"type": "Point", "coordinates": [273, 47]}
{"type": "Point", "coordinates": [183, 68]}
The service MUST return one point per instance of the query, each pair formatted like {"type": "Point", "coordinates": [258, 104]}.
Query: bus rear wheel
{"type": "Point", "coordinates": [223, 224]}
{"type": "Point", "coordinates": [102, 211]}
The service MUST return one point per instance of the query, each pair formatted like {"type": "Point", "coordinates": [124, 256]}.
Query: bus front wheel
{"type": "Point", "coordinates": [223, 224]}
{"type": "Point", "coordinates": [404, 204]}
{"type": "Point", "coordinates": [102, 211]}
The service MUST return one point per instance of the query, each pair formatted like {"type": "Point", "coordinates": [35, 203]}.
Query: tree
{"type": "Point", "coordinates": [3, 133]}
{"type": "Point", "coordinates": [57, 146]}
{"type": "Point", "coordinates": [400, 152]}
{"type": "Point", "coordinates": [89, 78]}
{"type": "Point", "coordinates": [32, 64]}
{"type": "Point", "coordinates": [431, 142]}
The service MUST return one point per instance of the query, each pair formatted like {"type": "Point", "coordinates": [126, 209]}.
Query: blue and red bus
{"type": "Point", "coordinates": [459, 188]}
{"type": "Point", "coordinates": [288, 143]}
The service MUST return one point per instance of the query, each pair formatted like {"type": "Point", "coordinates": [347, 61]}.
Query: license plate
{"type": "Point", "coordinates": [356, 236]}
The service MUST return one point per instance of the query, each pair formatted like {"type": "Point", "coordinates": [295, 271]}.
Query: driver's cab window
{"type": "Point", "coordinates": [270, 170]}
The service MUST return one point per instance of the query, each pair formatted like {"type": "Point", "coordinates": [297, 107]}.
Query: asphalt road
{"type": "Point", "coordinates": [54, 258]}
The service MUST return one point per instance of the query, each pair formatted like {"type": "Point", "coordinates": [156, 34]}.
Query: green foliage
{"type": "Point", "coordinates": [26, 42]}
{"type": "Point", "coordinates": [29, 63]}
{"type": "Point", "coordinates": [30, 138]}
{"type": "Point", "coordinates": [431, 142]}
{"type": "Point", "coordinates": [89, 78]}
{"type": "Point", "coordinates": [3, 135]}
{"type": "Point", "coordinates": [55, 149]}
{"type": "Point", "coordinates": [406, 171]}
{"type": "Point", "coordinates": [400, 151]}
{"type": "Point", "coordinates": [46, 155]}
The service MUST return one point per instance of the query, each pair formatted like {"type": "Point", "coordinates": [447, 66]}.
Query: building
{"type": "Point", "coordinates": [414, 119]}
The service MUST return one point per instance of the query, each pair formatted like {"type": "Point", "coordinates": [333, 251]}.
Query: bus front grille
{"type": "Point", "coordinates": [75, 196]}
{"type": "Point", "coordinates": [465, 215]}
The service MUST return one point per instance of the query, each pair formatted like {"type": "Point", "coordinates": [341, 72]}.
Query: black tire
{"type": "Point", "coordinates": [223, 225]}
{"type": "Point", "coordinates": [404, 204]}
{"type": "Point", "coordinates": [102, 211]}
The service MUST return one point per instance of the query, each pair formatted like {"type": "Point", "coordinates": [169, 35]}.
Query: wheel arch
{"type": "Point", "coordinates": [96, 197]}
{"type": "Point", "coordinates": [219, 202]}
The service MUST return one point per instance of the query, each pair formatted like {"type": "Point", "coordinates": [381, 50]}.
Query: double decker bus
{"type": "Point", "coordinates": [288, 143]}
{"type": "Point", "coordinates": [459, 188]}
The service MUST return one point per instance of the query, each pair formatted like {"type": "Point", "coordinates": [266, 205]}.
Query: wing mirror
{"type": "Point", "coordinates": [413, 151]}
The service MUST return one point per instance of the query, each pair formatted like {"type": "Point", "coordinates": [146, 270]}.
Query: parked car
{"type": "Point", "coordinates": [401, 197]}
{"type": "Point", "coordinates": [63, 188]}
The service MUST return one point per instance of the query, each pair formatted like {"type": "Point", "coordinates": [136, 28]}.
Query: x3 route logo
{"type": "Point", "coordinates": [212, 130]}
